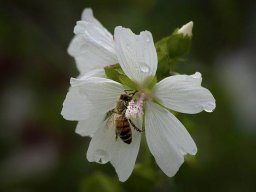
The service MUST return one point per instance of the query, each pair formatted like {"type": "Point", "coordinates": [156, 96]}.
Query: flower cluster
{"type": "Point", "coordinates": [93, 96]}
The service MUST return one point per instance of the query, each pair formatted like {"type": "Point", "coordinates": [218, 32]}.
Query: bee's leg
{"type": "Point", "coordinates": [134, 126]}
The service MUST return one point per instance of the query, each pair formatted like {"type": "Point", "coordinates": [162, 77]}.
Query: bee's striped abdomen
{"type": "Point", "coordinates": [123, 129]}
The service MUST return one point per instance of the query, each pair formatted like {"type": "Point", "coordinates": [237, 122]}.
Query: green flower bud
{"type": "Point", "coordinates": [178, 45]}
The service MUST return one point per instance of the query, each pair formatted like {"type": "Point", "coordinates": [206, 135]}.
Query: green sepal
{"type": "Point", "coordinates": [150, 82]}
{"type": "Point", "coordinates": [174, 46]}
{"type": "Point", "coordinates": [113, 72]}
{"type": "Point", "coordinates": [170, 51]}
{"type": "Point", "coordinates": [126, 81]}
{"type": "Point", "coordinates": [178, 45]}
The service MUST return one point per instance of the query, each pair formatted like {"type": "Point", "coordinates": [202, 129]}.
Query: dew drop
{"type": "Point", "coordinates": [197, 75]}
{"type": "Point", "coordinates": [148, 40]}
{"type": "Point", "coordinates": [194, 150]}
{"type": "Point", "coordinates": [208, 110]}
{"type": "Point", "coordinates": [209, 107]}
{"type": "Point", "coordinates": [144, 68]}
{"type": "Point", "coordinates": [101, 156]}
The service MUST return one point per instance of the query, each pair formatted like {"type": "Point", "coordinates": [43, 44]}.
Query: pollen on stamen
{"type": "Point", "coordinates": [135, 109]}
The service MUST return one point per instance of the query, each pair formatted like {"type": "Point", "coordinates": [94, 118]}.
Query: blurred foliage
{"type": "Point", "coordinates": [40, 150]}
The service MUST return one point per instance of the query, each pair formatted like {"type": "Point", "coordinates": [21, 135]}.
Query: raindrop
{"type": "Point", "coordinates": [208, 110]}
{"type": "Point", "coordinates": [209, 107]}
{"type": "Point", "coordinates": [101, 156]}
{"type": "Point", "coordinates": [148, 40]}
{"type": "Point", "coordinates": [144, 68]}
{"type": "Point", "coordinates": [197, 75]}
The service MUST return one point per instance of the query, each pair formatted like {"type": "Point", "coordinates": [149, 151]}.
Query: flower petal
{"type": "Point", "coordinates": [100, 146]}
{"type": "Point", "coordinates": [93, 46]}
{"type": "Point", "coordinates": [93, 73]}
{"type": "Point", "coordinates": [76, 105]}
{"type": "Point", "coordinates": [90, 125]}
{"type": "Point", "coordinates": [183, 93]}
{"type": "Point", "coordinates": [136, 53]}
{"type": "Point", "coordinates": [101, 92]}
{"type": "Point", "coordinates": [87, 15]}
{"type": "Point", "coordinates": [124, 155]}
{"type": "Point", "coordinates": [104, 147]}
{"type": "Point", "coordinates": [167, 139]}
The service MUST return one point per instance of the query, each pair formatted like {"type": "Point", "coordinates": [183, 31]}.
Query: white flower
{"type": "Point", "coordinates": [167, 138]}
{"type": "Point", "coordinates": [186, 29]}
{"type": "Point", "coordinates": [92, 47]}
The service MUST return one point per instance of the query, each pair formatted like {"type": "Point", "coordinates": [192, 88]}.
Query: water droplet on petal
{"type": "Point", "coordinates": [209, 107]}
{"type": "Point", "coordinates": [208, 110]}
{"type": "Point", "coordinates": [101, 156]}
{"type": "Point", "coordinates": [197, 75]}
{"type": "Point", "coordinates": [144, 68]}
{"type": "Point", "coordinates": [148, 40]}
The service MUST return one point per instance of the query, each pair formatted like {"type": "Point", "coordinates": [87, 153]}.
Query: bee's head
{"type": "Point", "coordinates": [125, 97]}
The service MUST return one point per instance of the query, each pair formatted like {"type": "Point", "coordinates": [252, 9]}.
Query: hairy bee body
{"type": "Point", "coordinates": [122, 123]}
{"type": "Point", "coordinates": [123, 129]}
{"type": "Point", "coordinates": [121, 106]}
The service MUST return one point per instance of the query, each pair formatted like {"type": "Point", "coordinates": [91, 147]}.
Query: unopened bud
{"type": "Point", "coordinates": [186, 29]}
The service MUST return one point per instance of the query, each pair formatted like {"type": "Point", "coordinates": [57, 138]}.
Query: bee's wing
{"type": "Point", "coordinates": [108, 114]}
{"type": "Point", "coordinates": [111, 120]}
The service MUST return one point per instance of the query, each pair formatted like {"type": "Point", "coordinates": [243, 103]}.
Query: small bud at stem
{"type": "Point", "coordinates": [186, 29]}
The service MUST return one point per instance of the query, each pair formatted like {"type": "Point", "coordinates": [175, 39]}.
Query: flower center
{"type": "Point", "coordinates": [135, 108]}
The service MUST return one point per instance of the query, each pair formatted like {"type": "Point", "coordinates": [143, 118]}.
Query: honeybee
{"type": "Point", "coordinates": [122, 123]}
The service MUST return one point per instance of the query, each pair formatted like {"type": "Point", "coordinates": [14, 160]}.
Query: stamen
{"type": "Point", "coordinates": [135, 109]}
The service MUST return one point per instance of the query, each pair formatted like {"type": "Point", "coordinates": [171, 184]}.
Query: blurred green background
{"type": "Point", "coordinates": [40, 150]}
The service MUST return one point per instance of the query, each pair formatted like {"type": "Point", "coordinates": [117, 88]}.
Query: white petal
{"type": "Point", "coordinates": [104, 147]}
{"type": "Point", "coordinates": [75, 106]}
{"type": "Point", "coordinates": [183, 93]}
{"type": "Point", "coordinates": [92, 47]}
{"type": "Point", "coordinates": [90, 125]}
{"type": "Point", "coordinates": [167, 139]}
{"type": "Point", "coordinates": [101, 92]}
{"type": "Point", "coordinates": [100, 146]}
{"type": "Point", "coordinates": [124, 155]}
{"type": "Point", "coordinates": [87, 15]}
{"type": "Point", "coordinates": [136, 53]}
{"type": "Point", "coordinates": [94, 33]}
{"type": "Point", "coordinates": [93, 73]}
